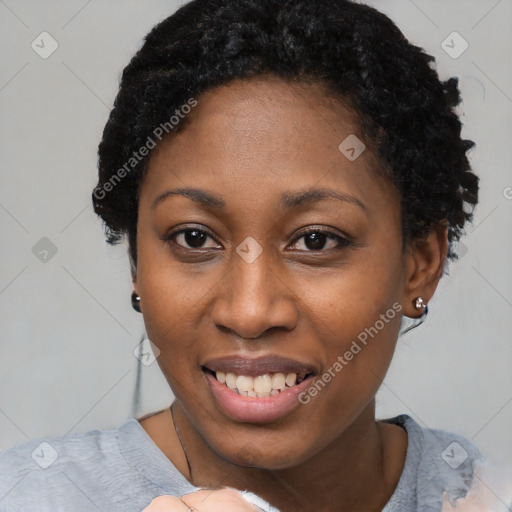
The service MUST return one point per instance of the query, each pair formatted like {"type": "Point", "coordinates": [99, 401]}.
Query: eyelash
{"type": "Point", "coordinates": [342, 241]}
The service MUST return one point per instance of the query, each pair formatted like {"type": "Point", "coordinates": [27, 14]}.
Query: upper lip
{"type": "Point", "coordinates": [254, 366]}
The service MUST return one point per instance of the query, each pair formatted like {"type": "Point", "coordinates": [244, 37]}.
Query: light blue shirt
{"type": "Point", "coordinates": [123, 470]}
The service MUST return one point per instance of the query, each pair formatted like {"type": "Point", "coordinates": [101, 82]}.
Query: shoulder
{"type": "Point", "coordinates": [75, 471]}
{"type": "Point", "coordinates": [447, 472]}
{"type": "Point", "coordinates": [59, 452]}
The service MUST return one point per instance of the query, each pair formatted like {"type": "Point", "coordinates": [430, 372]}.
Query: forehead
{"type": "Point", "coordinates": [259, 136]}
{"type": "Point", "coordinates": [279, 115]}
{"type": "Point", "coordinates": [258, 107]}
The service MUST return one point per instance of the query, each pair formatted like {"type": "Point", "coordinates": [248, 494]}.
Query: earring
{"type": "Point", "coordinates": [419, 303]}
{"type": "Point", "coordinates": [136, 302]}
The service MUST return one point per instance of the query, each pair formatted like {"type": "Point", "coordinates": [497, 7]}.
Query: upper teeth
{"type": "Point", "coordinates": [260, 386]}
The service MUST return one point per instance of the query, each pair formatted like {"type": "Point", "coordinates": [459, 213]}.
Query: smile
{"type": "Point", "coordinates": [261, 386]}
{"type": "Point", "coordinates": [257, 390]}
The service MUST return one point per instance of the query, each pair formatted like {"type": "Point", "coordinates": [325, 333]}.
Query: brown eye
{"type": "Point", "coordinates": [193, 238]}
{"type": "Point", "coordinates": [318, 240]}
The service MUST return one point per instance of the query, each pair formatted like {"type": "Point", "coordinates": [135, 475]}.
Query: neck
{"type": "Point", "coordinates": [367, 455]}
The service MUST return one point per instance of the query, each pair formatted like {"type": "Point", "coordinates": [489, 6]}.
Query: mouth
{"type": "Point", "coordinates": [259, 386]}
{"type": "Point", "coordinates": [257, 390]}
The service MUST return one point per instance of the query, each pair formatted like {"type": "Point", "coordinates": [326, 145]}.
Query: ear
{"type": "Point", "coordinates": [425, 260]}
{"type": "Point", "coordinates": [133, 272]}
{"type": "Point", "coordinates": [135, 297]}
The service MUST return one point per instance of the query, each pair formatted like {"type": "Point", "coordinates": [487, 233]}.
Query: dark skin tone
{"type": "Point", "coordinates": [248, 143]}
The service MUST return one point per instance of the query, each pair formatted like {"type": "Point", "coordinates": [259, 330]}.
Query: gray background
{"type": "Point", "coordinates": [68, 331]}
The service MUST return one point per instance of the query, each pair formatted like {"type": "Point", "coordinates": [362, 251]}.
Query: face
{"type": "Point", "coordinates": [264, 252]}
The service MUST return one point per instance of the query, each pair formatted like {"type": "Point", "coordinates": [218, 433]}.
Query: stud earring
{"type": "Point", "coordinates": [136, 302]}
{"type": "Point", "coordinates": [419, 303]}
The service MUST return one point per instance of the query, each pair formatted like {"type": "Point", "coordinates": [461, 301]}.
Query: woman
{"type": "Point", "coordinates": [291, 179]}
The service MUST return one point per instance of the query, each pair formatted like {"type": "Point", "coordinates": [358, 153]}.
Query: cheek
{"type": "Point", "coordinates": [167, 299]}
{"type": "Point", "coordinates": [358, 343]}
{"type": "Point", "coordinates": [347, 302]}
{"type": "Point", "coordinates": [170, 291]}
{"type": "Point", "coordinates": [357, 315]}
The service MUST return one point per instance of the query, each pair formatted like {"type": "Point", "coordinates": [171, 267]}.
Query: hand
{"type": "Point", "coordinates": [223, 500]}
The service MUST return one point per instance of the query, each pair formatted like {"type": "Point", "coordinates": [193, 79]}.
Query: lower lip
{"type": "Point", "coordinates": [256, 410]}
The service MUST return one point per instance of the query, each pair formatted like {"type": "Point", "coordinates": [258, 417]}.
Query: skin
{"type": "Point", "coordinates": [224, 500]}
{"type": "Point", "coordinates": [249, 142]}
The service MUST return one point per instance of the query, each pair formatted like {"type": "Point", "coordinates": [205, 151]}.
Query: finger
{"type": "Point", "coordinates": [221, 500]}
{"type": "Point", "coordinates": [167, 504]}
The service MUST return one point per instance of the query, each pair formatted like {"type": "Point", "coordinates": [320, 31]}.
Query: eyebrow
{"type": "Point", "coordinates": [289, 200]}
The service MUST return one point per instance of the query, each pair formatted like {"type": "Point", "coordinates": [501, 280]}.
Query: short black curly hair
{"type": "Point", "coordinates": [407, 113]}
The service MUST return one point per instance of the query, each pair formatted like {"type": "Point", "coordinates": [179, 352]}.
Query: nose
{"type": "Point", "coordinates": [254, 298]}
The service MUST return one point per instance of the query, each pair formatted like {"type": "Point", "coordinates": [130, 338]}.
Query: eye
{"type": "Point", "coordinates": [313, 240]}
{"type": "Point", "coordinates": [193, 238]}
{"type": "Point", "coordinates": [320, 239]}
